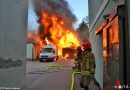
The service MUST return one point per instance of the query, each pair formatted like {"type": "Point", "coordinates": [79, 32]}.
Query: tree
{"type": "Point", "coordinates": [83, 29]}
{"type": "Point", "coordinates": [86, 20]}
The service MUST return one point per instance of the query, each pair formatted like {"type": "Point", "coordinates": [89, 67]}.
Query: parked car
{"type": "Point", "coordinates": [48, 53]}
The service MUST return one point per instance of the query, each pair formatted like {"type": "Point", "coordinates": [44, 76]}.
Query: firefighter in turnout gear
{"type": "Point", "coordinates": [87, 66]}
{"type": "Point", "coordinates": [78, 59]}
{"type": "Point", "coordinates": [76, 64]}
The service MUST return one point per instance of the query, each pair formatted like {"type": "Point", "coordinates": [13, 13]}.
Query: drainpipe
{"type": "Point", "coordinates": [127, 43]}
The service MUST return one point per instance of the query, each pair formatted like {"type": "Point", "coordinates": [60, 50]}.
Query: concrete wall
{"type": "Point", "coordinates": [13, 29]}
{"type": "Point", "coordinates": [97, 41]}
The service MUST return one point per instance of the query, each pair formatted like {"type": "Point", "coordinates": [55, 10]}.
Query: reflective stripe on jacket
{"type": "Point", "coordinates": [85, 73]}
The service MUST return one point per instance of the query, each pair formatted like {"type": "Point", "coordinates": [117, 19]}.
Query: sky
{"type": "Point", "coordinates": [78, 7]}
{"type": "Point", "coordinates": [32, 18]}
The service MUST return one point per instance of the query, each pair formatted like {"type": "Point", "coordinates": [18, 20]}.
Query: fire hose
{"type": "Point", "coordinates": [56, 66]}
{"type": "Point", "coordinates": [73, 79]}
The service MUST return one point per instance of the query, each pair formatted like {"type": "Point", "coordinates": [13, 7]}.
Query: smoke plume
{"type": "Point", "coordinates": [55, 24]}
{"type": "Point", "coordinates": [57, 7]}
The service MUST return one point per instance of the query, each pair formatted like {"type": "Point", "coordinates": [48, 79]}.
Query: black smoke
{"type": "Point", "coordinates": [58, 7]}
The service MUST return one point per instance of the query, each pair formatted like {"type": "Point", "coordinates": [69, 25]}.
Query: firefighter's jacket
{"type": "Point", "coordinates": [87, 67]}
{"type": "Point", "coordinates": [77, 61]}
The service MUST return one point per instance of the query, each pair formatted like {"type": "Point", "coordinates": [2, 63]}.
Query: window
{"type": "Point", "coordinates": [48, 50]}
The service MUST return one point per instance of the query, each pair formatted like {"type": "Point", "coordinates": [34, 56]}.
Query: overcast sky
{"type": "Point", "coordinates": [78, 7]}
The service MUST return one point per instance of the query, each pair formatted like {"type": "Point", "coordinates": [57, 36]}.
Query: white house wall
{"type": "Point", "coordinates": [97, 41]}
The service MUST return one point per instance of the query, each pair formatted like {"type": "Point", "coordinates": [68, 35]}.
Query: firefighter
{"type": "Point", "coordinates": [76, 64]}
{"type": "Point", "coordinates": [87, 66]}
{"type": "Point", "coordinates": [78, 59]}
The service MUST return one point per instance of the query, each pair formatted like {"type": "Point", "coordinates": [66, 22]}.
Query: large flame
{"type": "Point", "coordinates": [57, 32]}
{"type": "Point", "coordinates": [47, 41]}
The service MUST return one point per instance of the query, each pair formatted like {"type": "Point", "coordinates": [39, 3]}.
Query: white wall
{"type": "Point", "coordinates": [97, 49]}
{"type": "Point", "coordinates": [13, 29]}
{"type": "Point", "coordinates": [29, 51]}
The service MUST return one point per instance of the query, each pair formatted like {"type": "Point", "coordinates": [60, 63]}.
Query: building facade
{"type": "Point", "coordinates": [13, 33]}
{"type": "Point", "coordinates": [29, 51]}
{"type": "Point", "coordinates": [32, 51]}
{"type": "Point", "coordinates": [110, 37]}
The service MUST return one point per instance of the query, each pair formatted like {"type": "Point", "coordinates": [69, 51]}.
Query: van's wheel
{"type": "Point", "coordinates": [40, 60]}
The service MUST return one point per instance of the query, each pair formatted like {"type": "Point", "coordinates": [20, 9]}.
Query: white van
{"type": "Point", "coordinates": [48, 53]}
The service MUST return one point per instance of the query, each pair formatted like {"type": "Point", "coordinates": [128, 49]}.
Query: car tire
{"type": "Point", "coordinates": [40, 60]}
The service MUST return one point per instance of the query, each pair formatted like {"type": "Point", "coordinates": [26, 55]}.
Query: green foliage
{"type": "Point", "coordinates": [84, 25]}
{"type": "Point", "coordinates": [83, 29]}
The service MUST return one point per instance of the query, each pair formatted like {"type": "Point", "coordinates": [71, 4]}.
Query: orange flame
{"type": "Point", "coordinates": [57, 32]}
{"type": "Point", "coordinates": [61, 36]}
{"type": "Point", "coordinates": [47, 41]}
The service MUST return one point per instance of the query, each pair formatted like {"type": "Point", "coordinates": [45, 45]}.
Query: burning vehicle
{"type": "Point", "coordinates": [55, 21]}
{"type": "Point", "coordinates": [68, 53]}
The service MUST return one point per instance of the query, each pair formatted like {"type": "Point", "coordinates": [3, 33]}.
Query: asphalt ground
{"type": "Point", "coordinates": [52, 79]}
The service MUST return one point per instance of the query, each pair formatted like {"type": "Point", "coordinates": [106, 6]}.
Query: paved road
{"type": "Point", "coordinates": [55, 80]}
{"type": "Point", "coordinates": [36, 79]}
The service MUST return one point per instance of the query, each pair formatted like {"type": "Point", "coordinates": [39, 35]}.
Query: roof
{"type": "Point", "coordinates": [49, 46]}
